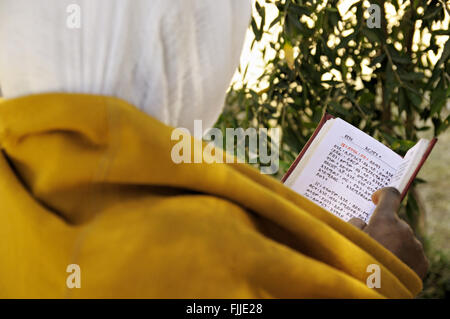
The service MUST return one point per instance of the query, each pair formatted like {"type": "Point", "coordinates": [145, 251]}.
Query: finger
{"type": "Point", "coordinates": [388, 202]}
{"type": "Point", "coordinates": [382, 191]}
{"type": "Point", "coordinates": [423, 266]}
{"type": "Point", "coordinates": [358, 223]}
{"type": "Point", "coordinates": [423, 269]}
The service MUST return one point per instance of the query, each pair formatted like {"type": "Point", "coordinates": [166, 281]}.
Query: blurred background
{"type": "Point", "coordinates": [383, 68]}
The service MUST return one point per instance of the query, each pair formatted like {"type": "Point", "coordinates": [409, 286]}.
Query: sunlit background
{"type": "Point", "coordinates": [252, 57]}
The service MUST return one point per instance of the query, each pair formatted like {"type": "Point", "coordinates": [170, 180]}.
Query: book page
{"type": "Point", "coordinates": [409, 164]}
{"type": "Point", "coordinates": [344, 170]}
{"type": "Point", "coordinates": [309, 152]}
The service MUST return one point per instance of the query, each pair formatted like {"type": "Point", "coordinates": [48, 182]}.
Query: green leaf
{"type": "Point", "coordinates": [445, 54]}
{"type": "Point", "coordinates": [438, 99]}
{"type": "Point", "coordinates": [256, 31]}
{"type": "Point", "coordinates": [419, 180]}
{"type": "Point", "coordinates": [296, 21]}
{"type": "Point", "coordinates": [402, 145]}
{"type": "Point", "coordinates": [440, 32]}
{"type": "Point", "coordinates": [275, 21]}
{"type": "Point", "coordinates": [423, 128]}
{"type": "Point", "coordinates": [371, 35]}
{"type": "Point", "coordinates": [334, 17]}
{"type": "Point", "coordinates": [412, 76]}
{"type": "Point", "coordinates": [366, 98]}
{"type": "Point", "coordinates": [415, 99]}
{"type": "Point", "coordinates": [402, 105]}
{"type": "Point", "coordinates": [378, 59]}
{"type": "Point", "coordinates": [257, 6]}
{"type": "Point", "coordinates": [389, 83]}
{"type": "Point", "coordinates": [401, 59]}
{"type": "Point", "coordinates": [429, 14]}
{"type": "Point", "coordinates": [389, 138]}
{"type": "Point", "coordinates": [300, 10]}
{"type": "Point", "coordinates": [339, 109]}
{"type": "Point", "coordinates": [397, 57]}
{"type": "Point", "coordinates": [344, 41]}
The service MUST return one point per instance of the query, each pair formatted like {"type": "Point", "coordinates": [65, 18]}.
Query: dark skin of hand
{"type": "Point", "coordinates": [392, 232]}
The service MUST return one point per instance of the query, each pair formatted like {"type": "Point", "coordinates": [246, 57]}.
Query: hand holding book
{"type": "Point", "coordinates": [362, 181]}
{"type": "Point", "coordinates": [392, 232]}
{"type": "Point", "coordinates": [341, 167]}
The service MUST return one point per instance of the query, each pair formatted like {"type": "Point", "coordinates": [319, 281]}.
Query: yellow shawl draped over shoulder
{"type": "Point", "coordinates": [89, 180]}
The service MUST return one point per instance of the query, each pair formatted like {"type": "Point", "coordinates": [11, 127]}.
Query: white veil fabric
{"type": "Point", "coordinates": [173, 59]}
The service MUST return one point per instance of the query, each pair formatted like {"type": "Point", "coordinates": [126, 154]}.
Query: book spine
{"type": "Point", "coordinates": [323, 120]}
{"type": "Point", "coordinates": [416, 171]}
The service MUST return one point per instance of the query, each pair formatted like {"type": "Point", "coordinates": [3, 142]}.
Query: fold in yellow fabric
{"type": "Point", "coordinates": [89, 180]}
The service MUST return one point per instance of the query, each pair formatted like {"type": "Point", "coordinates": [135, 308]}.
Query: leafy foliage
{"type": "Point", "coordinates": [437, 281]}
{"type": "Point", "coordinates": [381, 80]}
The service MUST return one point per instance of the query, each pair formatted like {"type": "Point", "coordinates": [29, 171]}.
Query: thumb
{"type": "Point", "coordinates": [388, 202]}
{"type": "Point", "coordinates": [358, 223]}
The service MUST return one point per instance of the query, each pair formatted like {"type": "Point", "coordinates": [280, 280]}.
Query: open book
{"type": "Point", "coordinates": [341, 167]}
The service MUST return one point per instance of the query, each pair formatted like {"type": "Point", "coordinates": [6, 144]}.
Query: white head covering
{"type": "Point", "coordinates": [173, 59]}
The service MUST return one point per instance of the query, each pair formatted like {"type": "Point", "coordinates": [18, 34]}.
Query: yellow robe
{"type": "Point", "coordinates": [89, 180]}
